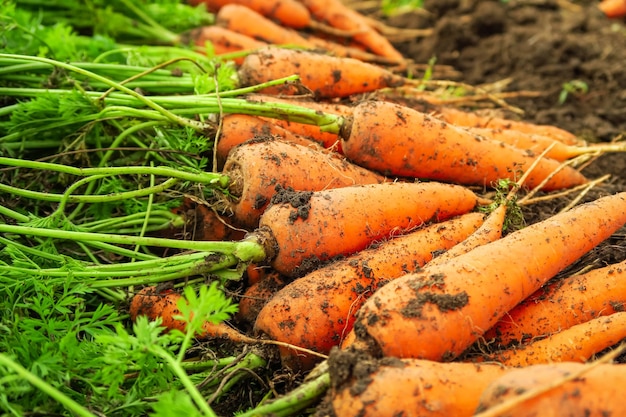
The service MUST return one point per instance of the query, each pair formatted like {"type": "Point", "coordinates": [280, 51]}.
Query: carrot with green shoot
{"type": "Point", "coordinates": [438, 313]}
{"type": "Point", "coordinates": [317, 310]}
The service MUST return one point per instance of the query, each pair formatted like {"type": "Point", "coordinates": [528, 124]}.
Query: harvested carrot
{"type": "Point", "coordinates": [323, 75]}
{"type": "Point", "coordinates": [489, 231]}
{"type": "Point", "coordinates": [574, 344]}
{"type": "Point", "coordinates": [258, 169]}
{"type": "Point", "coordinates": [338, 15]}
{"type": "Point", "coordinates": [562, 304]}
{"type": "Point", "coordinates": [399, 141]}
{"type": "Point", "coordinates": [613, 8]}
{"type": "Point", "coordinates": [317, 311]}
{"type": "Point", "coordinates": [538, 143]}
{"type": "Point", "coordinates": [205, 223]}
{"type": "Point", "coordinates": [257, 295]}
{"type": "Point", "coordinates": [290, 13]}
{"type": "Point", "coordinates": [153, 302]}
{"type": "Point", "coordinates": [567, 389]}
{"type": "Point", "coordinates": [438, 313]}
{"type": "Point", "coordinates": [394, 387]}
{"type": "Point", "coordinates": [313, 227]}
{"type": "Point", "coordinates": [467, 119]}
{"type": "Point", "coordinates": [224, 41]}
{"type": "Point", "coordinates": [239, 128]}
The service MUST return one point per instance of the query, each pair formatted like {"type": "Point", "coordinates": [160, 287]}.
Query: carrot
{"type": "Point", "coordinates": [318, 310]}
{"type": "Point", "coordinates": [154, 302]}
{"type": "Point", "coordinates": [258, 169]}
{"type": "Point", "coordinates": [257, 295]}
{"type": "Point", "coordinates": [310, 227]}
{"type": "Point", "coordinates": [399, 141]}
{"type": "Point", "coordinates": [290, 13]}
{"type": "Point", "coordinates": [538, 143]}
{"type": "Point", "coordinates": [574, 344]}
{"type": "Point", "coordinates": [242, 19]}
{"type": "Point", "coordinates": [562, 304]}
{"type": "Point", "coordinates": [323, 75]}
{"type": "Point", "coordinates": [224, 41]}
{"type": "Point", "coordinates": [613, 8]}
{"type": "Point", "coordinates": [467, 119]}
{"type": "Point", "coordinates": [555, 390]}
{"type": "Point", "coordinates": [338, 15]}
{"type": "Point", "coordinates": [239, 128]}
{"type": "Point", "coordinates": [407, 387]}
{"type": "Point", "coordinates": [438, 313]}
{"type": "Point", "coordinates": [206, 224]}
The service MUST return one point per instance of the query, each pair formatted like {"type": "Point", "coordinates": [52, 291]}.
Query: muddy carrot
{"type": "Point", "coordinates": [438, 313]}
{"type": "Point", "coordinates": [323, 75]}
{"type": "Point", "coordinates": [257, 295]}
{"type": "Point", "coordinates": [468, 119]}
{"type": "Point", "coordinates": [317, 310]}
{"type": "Point", "coordinates": [258, 169]}
{"type": "Point", "coordinates": [224, 41]}
{"type": "Point", "coordinates": [569, 389]}
{"type": "Point", "coordinates": [577, 343]}
{"type": "Point", "coordinates": [399, 141]}
{"type": "Point", "coordinates": [407, 387]}
{"type": "Point", "coordinates": [338, 15]}
{"type": "Point", "coordinates": [154, 302]}
{"type": "Point", "coordinates": [562, 304]}
{"type": "Point", "coordinates": [313, 227]}
{"type": "Point", "coordinates": [239, 128]}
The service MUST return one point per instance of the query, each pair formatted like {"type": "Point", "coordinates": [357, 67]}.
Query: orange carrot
{"type": "Point", "coordinates": [204, 223]}
{"type": "Point", "coordinates": [257, 295]}
{"type": "Point", "coordinates": [224, 41]}
{"type": "Point", "coordinates": [239, 128]}
{"type": "Point", "coordinates": [154, 302]}
{"type": "Point", "coordinates": [317, 311]}
{"type": "Point", "coordinates": [258, 169]}
{"type": "Point", "coordinates": [574, 344]}
{"type": "Point", "coordinates": [338, 15]}
{"type": "Point", "coordinates": [242, 19]}
{"type": "Point", "coordinates": [613, 8]}
{"type": "Point", "coordinates": [290, 13]}
{"type": "Point", "coordinates": [538, 143]}
{"type": "Point", "coordinates": [489, 231]}
{"type": "Point", "coordinates": [323, 75]}
{"type": "Point", "coordinates": [567, 389]}
{"type": "Point", "coordinates": [310, 227]}
{"type": "Point", "coordinates": [467, 119]}
{"type": "Point", "coordinates": [408, 387]}
{"type": "Point", "coordinates": [399, 141]}
{"type": "Point", "coordinates": [562, 304]}
{"type": "Point", "coordinates": [438, 313]}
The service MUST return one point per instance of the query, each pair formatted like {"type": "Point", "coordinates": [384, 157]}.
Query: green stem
{"type": "Point", "coordinates": [294, 401]}
{"type": "Point", "coordinates": [19, 217]}
{"type": "Point", "coordinates": [43, 386]}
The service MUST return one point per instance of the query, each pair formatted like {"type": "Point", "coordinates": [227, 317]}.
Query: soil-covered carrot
{"type": "Point", "coordinates": [258, 169]}
{"type": "Point", "coordinates": [290, 13]}
{"type": "Point", "coordinates": [393, 387]}
{"type": "Point", "coordinates": [224, 41]}
{"type": "Point", "coordinates": [574, 344]}
{"type": "Point", "coordinates": [313, 227]}
{"type": "Point", "coordinates": [562, 304]}
{"type": "Point", "coordinates": [324, 75]}
{"type": "Point", "coordinates": [438, 313]}
{"type": "Point", "coordinates": [257, 295]}
{"type": "Point", "coordinates": [338, 15]}
{"type": "Point", "coordinates": [569, 389]}
{"type": "Point", "coordinates": [469, 119]}
{"type": "Point", "coordinates": [399, 141]}
{"type": "Point", "coordinates": [239, 128]}
{"type": "Point", "coordinates": [317, 311]}
{"type": "Point", "coordinates": [613, 8]}
{"type": "Point", "coordinates": [154, 302]}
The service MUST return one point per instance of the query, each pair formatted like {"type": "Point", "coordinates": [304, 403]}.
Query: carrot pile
{"type": "Point", "coordinates": [372, 242]}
